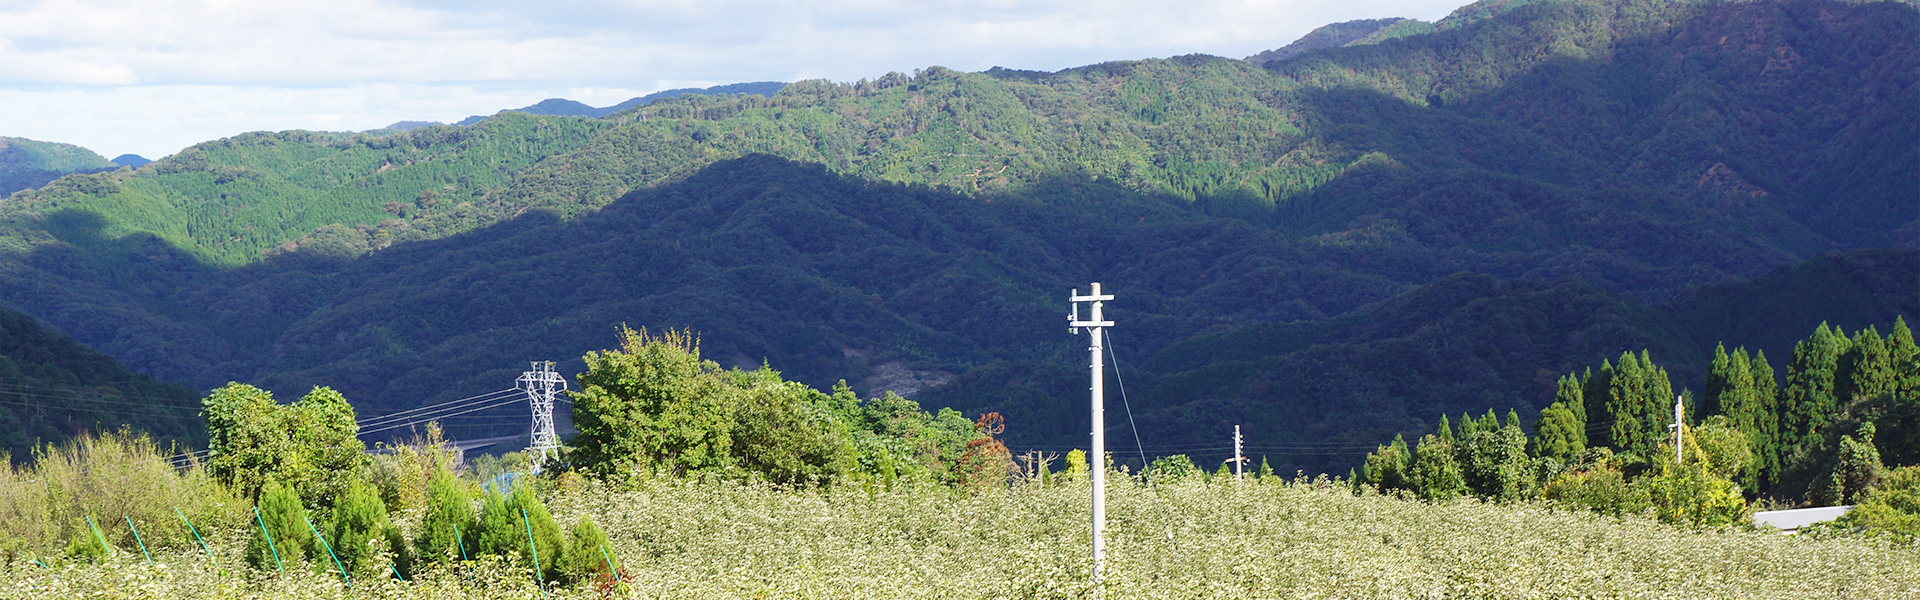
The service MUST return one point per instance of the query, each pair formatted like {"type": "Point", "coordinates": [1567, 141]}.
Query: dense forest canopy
{"type": "Point", "coordinates": [1327, 249]}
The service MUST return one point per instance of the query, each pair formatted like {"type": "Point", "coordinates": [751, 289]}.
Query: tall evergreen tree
{"type": "Point", "coordinates": [1627, 406]}
{"type": "Point", "coordinates": [1865, 369]}
{"type": "Point", "coordinates": [1723, 386]}
{"type": "Point", "coordinates": [1905, 357]}
{"type": "Point", "coordinates": [1593, 388]}
{"type": "Point", "coordinates": [1808, 401]}
{"type": "Point", "coordinates": [1435, 474]}
{"type": "Point", "coordinates": [1446, 430]}
{"type": "Point", "coordinates": [1557, 434]}
{"type": "Point", "coordinates": [1766, 409]}
{"type": "Point", "coordinates": [1570, 397]}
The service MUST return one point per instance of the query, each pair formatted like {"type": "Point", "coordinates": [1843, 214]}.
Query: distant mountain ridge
{"type": "Point", "coordinates": [1337, 246]}
{"type": "Point", "coordinates": [27, 164]}
{"type": "Point", "coordinates": [561, 107]}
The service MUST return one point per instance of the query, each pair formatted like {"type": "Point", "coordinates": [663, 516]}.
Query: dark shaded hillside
{"type": "Point", "coordinates": [1329, 251]}
{"type": "Point", "coordinates": [52, 387]}
{"type": "Point", "coordinates": [829, 277]}
{"type": "Point", "coordinates": [1306, 391]}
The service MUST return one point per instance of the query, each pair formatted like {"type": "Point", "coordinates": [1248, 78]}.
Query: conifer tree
{"type": "Point", "coordinates": [285, 519]}
{"type": "Point", "coordinates": [1865, 369]}
{"type": "Point", "coordinates": [1594, 388]}
{"type": "Point", "coordinates": [1626, 405]}
{"type": "Point", "coordinates": [1766, 443]}
{"type": "Point", "coordinates": [447, 530]}
{"type": "Point", "coordinates": [1720, 383]}
{"type": "Point", "coordinates": [1569, 396]}
{"type": "Point", "coordinates": [1435, 473]}
{"type": "Point", "coordinates": [1905, 358]}
{"type": "Point", "coordinates": [1808, 401]}
{"type": "Point", "coordinates": [1557, 434]}
{"type": "Point", "coordinates": [1445, 430]}
{"type": "Point", "coordinates": [358, 519]}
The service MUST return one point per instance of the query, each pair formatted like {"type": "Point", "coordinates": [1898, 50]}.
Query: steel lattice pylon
{"type": "Point", "coordinates": [542, 384]}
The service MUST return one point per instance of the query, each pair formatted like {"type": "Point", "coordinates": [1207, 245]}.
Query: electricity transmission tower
{"type": "Point", "coordinates": [542, 384]}
{"type": "Point", "coordinates": [1097, 461]}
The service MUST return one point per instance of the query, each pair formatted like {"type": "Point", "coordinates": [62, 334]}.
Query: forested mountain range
{"type": "Point", "coordinates": [26, 164]}
{"type": "Point", "coordinates": [1340, 244]}
{"type": "Point", "coordinates": [561, 107]}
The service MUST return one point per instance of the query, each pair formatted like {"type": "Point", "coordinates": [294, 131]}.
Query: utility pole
{"type": "Point", "coordinates": [1677, 424]}
{"type": "Point", "coordinates": [1097, 462]}
{"type": "Point", "coordinates": [542, 384]}
{"type": "Point", "coordinates": [1238, 460]}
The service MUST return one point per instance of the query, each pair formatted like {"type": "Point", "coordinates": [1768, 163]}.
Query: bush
{"type": "Point", "coordinates": [586, 557]}
{"type": "Point", "coordinates": [1891, 509]}
{"type": "Point", "coordinates": [1598, 488]}
{"type": "Point", "coordinates": [285, 519]}
{"type": "Point", "coordinates": [447, 528]}
{"type": "Point", "coordinates": [359, 519]}
{"type": "Point", "coordinates": [112, 476]}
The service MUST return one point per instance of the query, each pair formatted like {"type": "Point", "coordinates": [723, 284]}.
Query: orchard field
{"type": "Point", "coordinates": [1267, 538]}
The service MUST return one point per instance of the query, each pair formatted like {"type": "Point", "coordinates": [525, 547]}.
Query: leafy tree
{"type": "Point", "coordinates": [286, 521]}
{"type": "Point", "coordinates": [1892, 508]}
{"type": "Point", "coordinates": [1171, 469]}
{"type": "Point", "coordinates": [986, 463]}
{"type": "Point", "coordinates": [312, 445]}
{"type": "Point", "coordinates": [1597, 484]}
{"type": "Point", "coordinates": [651, 405]}
{"type": "Point", "coordinates": [1494, 461]}
{"type": "Point", "coordinates": [1690, 492]}
{"type": "Point", "coordinates": [780, 432]}
{"type": "Point", "coordinates": [1855, 469]}
{"type": "Point", "coordinates": [1727, 451]}
{"type": "Point", "coordinates": [498, 526]}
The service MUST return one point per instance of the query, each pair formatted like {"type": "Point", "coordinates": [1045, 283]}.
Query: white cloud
{"type": "Point", "coordinates": [153, 77]}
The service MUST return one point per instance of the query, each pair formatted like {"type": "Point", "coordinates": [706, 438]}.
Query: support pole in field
{"type": "Point", "coordinates": [1678, 415]}
{"type": "Point", "coordinates": [1238, 459]}
{"type": "Point", "coordinates": [1097, 461]}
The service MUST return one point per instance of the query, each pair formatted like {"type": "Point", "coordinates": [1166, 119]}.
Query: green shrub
{"type": "Point", "coordinates": [359, 519]}
{"type": "Point", "coordinates": [550, 546]}
{"type": "Point", "coordinates": [285, 519]}
{"type": "Point", "coordinates": [1891, 509]}
{"type": "Point", "coordinates": [586, 557]}
{"type": "Point", "coordinates": [448, 525]}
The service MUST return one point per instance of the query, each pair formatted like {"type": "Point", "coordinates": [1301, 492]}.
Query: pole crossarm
{"type": "Point", "coordinates": [1095, 326]}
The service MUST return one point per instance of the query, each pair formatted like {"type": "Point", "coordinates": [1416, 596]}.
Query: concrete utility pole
{"type": "Point", "coordinates": [1097, 461]}
{"type": "Point", "coordinates": [1238, 460]}
{"type": "Point", "coordinates": [542, 384]}
{"type": "Point", "coordinates": [1677, 424]}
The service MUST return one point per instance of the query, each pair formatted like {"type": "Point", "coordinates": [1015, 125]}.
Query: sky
{"type": "Point", "coordinates": [151, 77]}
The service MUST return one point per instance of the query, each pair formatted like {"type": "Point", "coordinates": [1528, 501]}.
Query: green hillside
{"type": "Point", "coordinates": [1328, 250]}
{"type": "Point", "coordinates": [26, 164]}
{"type": "Point", "coordinates": [52, 387]}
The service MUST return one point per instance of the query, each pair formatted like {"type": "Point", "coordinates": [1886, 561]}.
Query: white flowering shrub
{"type": "Point", "coordinates": [690, 539]}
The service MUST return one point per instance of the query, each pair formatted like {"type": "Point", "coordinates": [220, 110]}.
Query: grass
{"type": "Point", "coordinates": [690, 539]}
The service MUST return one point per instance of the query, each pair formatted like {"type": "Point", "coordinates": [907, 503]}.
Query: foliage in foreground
{"type": "Point", "coordinates": [679, 538]}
